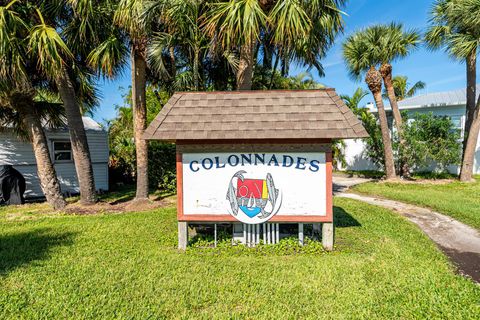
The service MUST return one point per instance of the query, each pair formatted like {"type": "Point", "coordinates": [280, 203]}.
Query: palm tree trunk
{"type": "Point", "coordinates": [245, 67]}
{"type": "Point", "coordinates": [466, 171]}
{"type": "Point", "coordinates": [196, 66]}
{"type": "Point", "coordinates": [171, 51]}
{"type": "Point", "coordinates": [387, 143]}
{"type": "Point", "coordinates": [139, 83]}
{"type": "Point", "coordinates": [274, 69]}
{"type": "Point", "coordinates": [471, 63]}
{"type": "Point", "coordinates": [373, 79]}
{"type": "Point", "coordinates": [45, 169]}
{"type": "Point", "coordinates": [78, 139]}
{"type": "Point", "coordinates": [386, 72]}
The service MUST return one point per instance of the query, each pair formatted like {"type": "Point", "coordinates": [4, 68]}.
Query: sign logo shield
{"type": "Point", "coordinates": [253, 200]}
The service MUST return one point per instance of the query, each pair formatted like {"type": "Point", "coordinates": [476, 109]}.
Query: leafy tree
{"type": "Point", "coordinates": [431, 138]}
{"type": "Point", "coordinates": [455, 26]}
{"type": "Point", "coordinates": [122, 145]}
{"type": "Point", "coordinates": [402, 88]}
{"type": "Point", "coordinates": [361, 59]}
{"type": "Point", "coordinates": [290, 30]}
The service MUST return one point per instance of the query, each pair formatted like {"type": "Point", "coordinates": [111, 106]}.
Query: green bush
{"type": "Point", "coordinates": [431, 139]}
{"type": "Point", "coordinates": [161, 166]}
{"type": "Point", "coordinates": [161, 156]}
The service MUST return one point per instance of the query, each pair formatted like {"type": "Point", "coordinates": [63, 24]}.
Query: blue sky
{"type": "Point", "coordinates": [437, 69]}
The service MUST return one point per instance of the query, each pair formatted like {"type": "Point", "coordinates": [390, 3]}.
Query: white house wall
{"type": "Point", "coordinates": [355, 156]}
{"type": "Point", "coordinates": [20, 155]}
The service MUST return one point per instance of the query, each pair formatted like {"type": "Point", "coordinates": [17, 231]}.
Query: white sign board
{"type": "Point", "coordinates": [254, 187]}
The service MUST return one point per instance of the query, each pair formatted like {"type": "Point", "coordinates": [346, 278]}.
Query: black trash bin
{"type": "Point", "coordinates": [12, 186]}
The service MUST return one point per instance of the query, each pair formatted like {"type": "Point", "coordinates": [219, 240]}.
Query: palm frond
{"type": "Point", "coordinates": [48, 48]}
{"type": "Point", "coordinates": [235, 22]}
{"type": "Point", "coordinates": [109, 57]}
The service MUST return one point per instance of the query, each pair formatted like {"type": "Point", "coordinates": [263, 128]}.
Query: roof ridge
{"type": "Point", "coordinates": [256, 91]}
{"type": "Point", "coordinates": [352, 120]}
{"type": "Point", "coordinates": [152, 128]}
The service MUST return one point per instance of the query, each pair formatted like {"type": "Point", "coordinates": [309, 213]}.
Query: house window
{"type": "Point", "coordinates": [458, 124]}
{"type": "Point", "coordinates": [62, 151]}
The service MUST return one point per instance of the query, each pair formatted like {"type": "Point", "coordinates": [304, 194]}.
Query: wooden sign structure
{"type": "Point", "coordinates": [255, 158]}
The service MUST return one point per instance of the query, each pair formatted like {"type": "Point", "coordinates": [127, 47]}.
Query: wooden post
{"type": "Point", "coordinates": [300, 234]}
{"type": "Point", "coordinates": [327, 235]}
{"type": "Point", "coordinates": [182, 235]}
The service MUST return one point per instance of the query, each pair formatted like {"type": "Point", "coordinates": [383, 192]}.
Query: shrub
{"type": "Point", "coordinates": [161, 156]}
{"type": "Point", "coordinates": [430, 139]}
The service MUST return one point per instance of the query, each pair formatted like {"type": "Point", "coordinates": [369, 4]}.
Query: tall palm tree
{"type": "Point", "coordinates": [391, 42]}
{"type": "Point", "coordinates": [298, 31]}
{"type": "Point", "coordinates": [18, 82]}
{"type": "Point", "coordinates": [455, 26]}
{"type": "Point", "coordinates": [402, 88]}
{"type": "Point", "coordinates": [361, 59]}
{"type": "Point", "coordinates": [59, 64]}
{"type": "Point", "coordinates": [129, 17]}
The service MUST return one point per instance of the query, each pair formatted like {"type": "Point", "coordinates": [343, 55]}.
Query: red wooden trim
{"type": "Point", "coordinates": [229, 218]}
{"type": "Point", "coordinates": [254, 141]}
{"type": "Point", "coordinates": [179, 186]}
{"type": "Point", "coordinates": [329, 186]}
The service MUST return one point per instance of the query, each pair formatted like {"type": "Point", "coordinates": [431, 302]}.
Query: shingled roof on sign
{"type": "Point", "coordinates": [274, 114]}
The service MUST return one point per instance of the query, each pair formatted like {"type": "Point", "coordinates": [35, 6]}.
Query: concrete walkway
{"type": "Point", "coordinates": [341, 183]}
{"type": "Point", "coordinates": [458, 241]}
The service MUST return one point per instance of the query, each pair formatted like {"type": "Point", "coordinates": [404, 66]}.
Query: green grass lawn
{"type": "Point", "coordinates": [458, 200]}
{"type": "Point", "coordinates": [126, 266]}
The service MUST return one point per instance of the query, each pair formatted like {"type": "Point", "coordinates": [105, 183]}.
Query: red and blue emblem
{"type": "Point", "coordinates": [254, 197]}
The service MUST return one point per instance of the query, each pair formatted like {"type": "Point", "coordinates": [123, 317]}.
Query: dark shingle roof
{"type": "Point", "coordinates": [304, 114]}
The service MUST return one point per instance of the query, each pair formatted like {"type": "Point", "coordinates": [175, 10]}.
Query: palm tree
{"type": "Point", "coordinates": [402, 88]}
{"type": "Point", "coordinates": [298, 31]}
{"type": "Point", "coordinates": [59, 64]}
{"type": "Point", "coordinates": [353, 101]}
{"type": "Point", "coordinates": [129, 17]}
{"type": "Point", "coordinates": [361, 59]}
{"type": "Point", "coordinates": [455, 26]}
{"type": "Point", "coordinates": [391, 43]}
{"type": "Point", "coordinates": [18, 82]}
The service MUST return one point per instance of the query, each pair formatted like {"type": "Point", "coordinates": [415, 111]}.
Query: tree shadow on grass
{"type": "Point", "coordinates": [19, 249]}
{"type": "Point", "coordinates": [343, 219]}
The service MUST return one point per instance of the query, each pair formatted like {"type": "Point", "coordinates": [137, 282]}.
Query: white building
{"type": "Point", "coordinates": [20, 155]}
{"type": "Point", "coordinates": [448, 103]}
